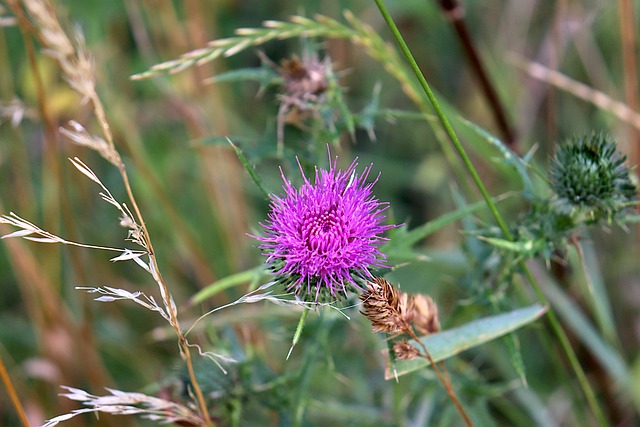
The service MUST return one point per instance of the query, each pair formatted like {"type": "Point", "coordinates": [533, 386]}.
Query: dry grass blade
{"type": "Point", "coordinates": [79, 135]}
{"type": "Point", "coordinates": [109, 294]}
{"type": "Point", "coordinates": [126, 403]}
{"type": "Point", "coordinates": [28, 230]}
{"type": "Point", "coordinates": [257, 296]}
{"type": "Point", "coordinates": [15, 111]}
{"type": "Point", "coordinates": [298, 26]}
{"type": "Point", "coordinates": [577, 89]}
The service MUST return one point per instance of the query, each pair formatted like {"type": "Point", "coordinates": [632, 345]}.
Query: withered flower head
{"type": "Point", "coordinates": [305, 82]}
{"type": "Point", "coordinates": [404, 350]}
{"type": "Point", "coordinates": [389, 310]}
{"type": "Point", "coordinates": [425, 317]}
{"type": "Point", "coordinates": [394, 312]}
{"type": "Point", "coordinates": [306, 77]}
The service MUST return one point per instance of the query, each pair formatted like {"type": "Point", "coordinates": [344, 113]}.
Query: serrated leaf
{"type": "Point", "coordinates": [510, 158]}
{"type": "Point", "coordinates": [453, 341]}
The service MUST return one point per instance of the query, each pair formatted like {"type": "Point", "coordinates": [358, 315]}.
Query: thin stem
{"type": "Point", "coordinates": [553, 320]}
{"type": "Point", "coordinates": [626, 15]}
{"type": "Point", "coordinates": [184, 347]}
{"type": "Point", "coordinates": [11, 391]}
{"type": "Point", "coordinates": [445, 381]}
{"type": "Point", "coordinates": [454, 12]}
{"type": "Point", "coordinates": [443, 119]}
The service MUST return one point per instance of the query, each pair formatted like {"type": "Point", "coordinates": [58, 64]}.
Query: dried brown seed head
{"type": "Point", "coordinates": [305, 78]}
{"type": "Point", "coordinates": [389, 310]}
{"type": "Point", "coordinates": [404, 350]}
{"type": "Point", "coordinates": [425, 315]}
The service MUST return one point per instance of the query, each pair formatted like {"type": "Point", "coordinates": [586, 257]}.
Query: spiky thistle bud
{"type": "Point", "coordinates": [588, 175]}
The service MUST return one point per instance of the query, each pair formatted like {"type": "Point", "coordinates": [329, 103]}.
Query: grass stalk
{"type": "Point", "coordinates": [454, 12]}
{"type": "Point", "coordinates": [13, 395]}
{"type": "Point", "coordinates": [78, 69]}
{"type": "Point", "coordinates": [442, 375]}
{"type": "Point", "coordinates": [553, 320]}
{"type": "Point", "coordinates": [626, 15]}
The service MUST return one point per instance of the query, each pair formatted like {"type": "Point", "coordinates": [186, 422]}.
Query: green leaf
{"type": "Point", "coordinates": [510, 158]}
{"type": "Point", "coordinates": [597, 292]}
{"type": "Point", "coordinates": [527, 247]}
{"type": "Point", "coordinates": [513, 347]}
{"type": "Point", "coordinates": [402, 240]}
{"type": "Point", "coordinates": [252, 171]}
{"type": "Point", "coordinates": [453, 341]}
{"type": "Point", "coordinates": [610, 359]}
{"type": "Point", "coordinates": [335, 93]}
{"type": "Point", "coordinates": [227, 282]}
{"type": "Point", "coordinates": [263, 75]}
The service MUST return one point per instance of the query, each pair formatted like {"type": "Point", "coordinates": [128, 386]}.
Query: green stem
{"type": "Point", "coordinates": [553, 320]}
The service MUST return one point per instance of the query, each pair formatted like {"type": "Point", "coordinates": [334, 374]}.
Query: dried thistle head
{"type": "Point", "coordinates": [304, 83]}
{"type": "Point", "coordinates": [404, 350]}
{"type": "Point", "coordinates": [394, 312]}
{"type": "Point", "coordinates": [389, 310]}
{"type": "Point", "coordinates": [425, 315]}
{"type": "Point", "coordinates": [305, 78]}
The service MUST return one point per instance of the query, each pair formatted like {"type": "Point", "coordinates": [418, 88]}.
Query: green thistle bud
{"type": "Point", "coordinates": [589, 176]}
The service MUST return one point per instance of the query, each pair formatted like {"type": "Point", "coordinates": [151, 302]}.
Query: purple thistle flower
{"type": "Point", "coordinates": [324, 236]}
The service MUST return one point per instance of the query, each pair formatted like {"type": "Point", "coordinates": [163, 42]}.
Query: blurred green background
{"type": "Point", "coordinates": [199, 203]}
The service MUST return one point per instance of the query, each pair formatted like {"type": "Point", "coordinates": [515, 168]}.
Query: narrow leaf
{"type": "Point", "coordinates": [225, 283]}
{"type": "Point", "coordinates": [510, 158]}
{"type": "Point", "coordinates": [250, 169]}
{"type": "Point", "coordinates": [610, 359]}
{"type": "Point", "coordinates": [526, 247]}
{"type": "Point", "coordinates": [19, 233]}
{"type": "Point", "coordinates": [263, 75]}
{"type": "Point", "coordinates": [42, 239]}
{"type": "Point", "coordinates": [453, 341]}
{"type": "Point", "coordinates": [410, 238]}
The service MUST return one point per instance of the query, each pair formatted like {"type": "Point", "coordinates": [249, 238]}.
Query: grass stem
{"type": "Point", "coordinates": [553, 320]}
{"type": "Point", "coordinates": [11, 391]}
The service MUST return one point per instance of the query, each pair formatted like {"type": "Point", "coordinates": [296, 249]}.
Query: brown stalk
{"type": "Point", "coordinates": [454, 12]}
{"type": "Point", "coordinates": [166, 296]}
{"type": "Point", "coordinates": [221, 173]}
{"type": "Point", "coordinates": [96, 374]}
{"type": "Point", "coordinates": [11, 391]}
{"type": "Point", "coordinates": [393, 312]}
{"type": "Point", "coordinates": [580, 90]}
{"type": "Point", "coordinates": [46, 308]}
{"type": "Point", "coordinates": [80, 74]}
{"type": "Point", "coordinates": [51, 165]}
{"type": "Point", "coordinates": [630, 71]}
{"type": "Point", "coordinates": [445, 381]}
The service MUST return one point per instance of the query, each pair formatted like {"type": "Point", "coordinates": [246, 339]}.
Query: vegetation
{"type": "Point", "coordinates": [318, 213]}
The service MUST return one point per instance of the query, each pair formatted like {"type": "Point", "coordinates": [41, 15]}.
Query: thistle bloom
{"type": "Point", "coordinates": [324, 236]}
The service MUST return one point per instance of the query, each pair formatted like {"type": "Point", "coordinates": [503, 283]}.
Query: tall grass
{"type": "Point", "coordinates": [139, 136]}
